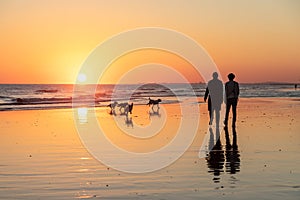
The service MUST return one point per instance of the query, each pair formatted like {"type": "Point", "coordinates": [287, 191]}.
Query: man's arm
{"type": "Point", "coordinates": [206, 94]}
{"type": "Point", "coordinates": [225, 93]}
{"type": "Point", "coordinates": [237, 89]}
{"type": "Point", "coordinates": [226, 90]}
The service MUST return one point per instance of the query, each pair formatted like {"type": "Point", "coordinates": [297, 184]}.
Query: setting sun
{"type": "Point", "coordinates": [81, 78]}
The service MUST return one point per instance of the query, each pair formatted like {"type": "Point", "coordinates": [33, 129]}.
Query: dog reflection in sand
{"type": "Point", "coordinates": [128, 121]}
{"type": "Point", "coordinates": [154, 113]}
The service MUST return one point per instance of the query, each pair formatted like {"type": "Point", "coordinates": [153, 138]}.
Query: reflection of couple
{"type": "Point", "coordinates": [214, 93]}
{"type": "Point", "coordinates": [216, 159]}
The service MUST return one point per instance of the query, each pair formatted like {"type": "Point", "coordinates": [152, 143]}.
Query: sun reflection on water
{"type": "Point", "coordinates": [82, 115]}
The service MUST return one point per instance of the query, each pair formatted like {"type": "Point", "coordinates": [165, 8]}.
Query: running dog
{"type": "Point", "coordinates": [112, 107]}
{"type": "Point", "coordinates": [154, 102]}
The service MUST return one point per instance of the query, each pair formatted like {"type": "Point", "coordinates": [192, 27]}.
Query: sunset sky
{"type": "Point", "coordinates": [47, 41]}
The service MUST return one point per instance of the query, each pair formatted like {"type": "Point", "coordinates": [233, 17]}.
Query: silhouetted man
{"type": "Point", "coordinates": [214, 93]}
{"type": "Point", "coordinates": [232, 91]}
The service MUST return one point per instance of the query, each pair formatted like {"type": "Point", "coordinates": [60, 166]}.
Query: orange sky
{"type": "Point", "coordinates": [47, 41]}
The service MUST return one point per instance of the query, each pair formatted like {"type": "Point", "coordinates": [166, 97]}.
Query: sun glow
{"type": "Point", "coordinates": [81, 78]}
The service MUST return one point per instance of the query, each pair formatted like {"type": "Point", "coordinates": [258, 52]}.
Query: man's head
{"type": "Point", "coordinates": [215, 75]}
{"type": "Point", "coordinates": [231, 76]}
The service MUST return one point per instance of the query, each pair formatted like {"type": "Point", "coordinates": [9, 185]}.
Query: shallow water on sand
{"type": "Point", "coordinates": [42, 157]}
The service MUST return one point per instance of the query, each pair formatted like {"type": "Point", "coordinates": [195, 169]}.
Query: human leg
{"type": "Point", "coordinates": [228, 105]}
{"type": "Point", "coordinates": [210, 117]}
{"type": "Point", "coordinates": [217, 113]}
{"type": "Point", "coordinates": [234, 104]}
{"type": "Point", "coordinates": [210, 110]}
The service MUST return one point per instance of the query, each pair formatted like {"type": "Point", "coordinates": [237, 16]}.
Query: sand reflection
{"type": "Point", "coordinates": [221, 158]}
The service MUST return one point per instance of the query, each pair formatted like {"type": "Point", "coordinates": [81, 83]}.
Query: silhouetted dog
{"type": "Point", "coordinates": [153, 102]}
{"type": "Point", "coordinates": [112, 107]}
{"type": "Point", "coordinates": [127, 108]}
{"type": "Point", "coordinates": [122, 106]}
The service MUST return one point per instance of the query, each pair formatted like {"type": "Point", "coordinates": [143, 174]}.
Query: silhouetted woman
{"type": "Point", "coordinates": [232, 91]}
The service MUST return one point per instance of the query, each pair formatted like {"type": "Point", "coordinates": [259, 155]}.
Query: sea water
{"type": "Point", "coordinates": [52, 96]}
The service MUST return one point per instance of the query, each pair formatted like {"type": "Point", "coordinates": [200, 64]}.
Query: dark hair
{"type": "Point", "coordinates": [215, 75]}
{"type": "Point", "coordinates": [231, 76]}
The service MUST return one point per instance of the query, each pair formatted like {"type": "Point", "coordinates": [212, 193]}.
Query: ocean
{"type": "Point", "coordinates": [53, 96]}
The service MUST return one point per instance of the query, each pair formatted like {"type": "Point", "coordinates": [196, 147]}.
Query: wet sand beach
{"type": "Point", "coordinates": [42, 157]}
